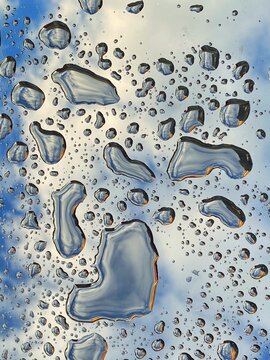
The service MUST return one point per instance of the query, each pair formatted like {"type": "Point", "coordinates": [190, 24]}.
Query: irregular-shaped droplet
{"type": "Point", "coordinates": [90, 347]}
{"type": "Point", "coordinates": [68, 237]}
{"type": "Point", "coordinates": [224, 209]}
{"type": "Point", "coordinates": [166, 129]}
{"type": "Point", "coordinates": [91, 6]}
{"type": "Point", "coordinates": [135, 7]}
{"type": "Point", "coordinates": [82, 86]}
{"type": "Point", "coordinates": [18, 152]}
{"type": "Point", "coordinates": [128, 276]}
{"type": "Point", "coordinates": [8, 67]}
{"type": "Point", "coordinates": [191, 118]}
{"type": "Point", "coordinates": [228, 350]}
{"type": "Point", "coordinates": [164, 215]}
{"type": "Point", "coordinates": [241, 68]}
{"type": "Point", "coordinates": [34, 269]}
{"type": "Point", "coordinates": [235, 112]}
{"type": "Point", "coordinates": [147, 85]}
{"type": "Point", "coordinates": [62, 321]}
{"type": "Point", "coordinates": [55, 35]}
{"type": "Point", "coordinates": [209, 57]}
{"type": "Point", "coordinates": [30, 221]}
{"type": "Point", "coordinates": [250, 307]}
{"type": "Point", "coordinates": [118, 161]}
{"type": "Point", "coordinates": [259, 271]}
{"type": "Point", "coordinates": [181, 93]}
{"type": "Point", "coordinates": [193, 158]}
{"type": "Point", "coordinates": [165, 66]}
{"type": "Point", "coordinates": [27, 95]}
{"type": "Point", "coordinates": [51, 144]}
{"type": "Point", "coordinates": [138, 197]}
{"type": "Point", "coordinates": [5, 126]}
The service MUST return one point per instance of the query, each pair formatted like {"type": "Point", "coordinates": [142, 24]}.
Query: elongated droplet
{"type": "Point", "coordinates": [209, 57]}
{"type": "Point", "coordinates": [18, 152]}
{"type": "Point", "coordinates": [90, 347]}
{"type": "Point", "coordinates": [51, 144]}
{"type": "Point", "coordinates": [191, 118]}
{"type": "Point", "coordinates": [8, 67]}
{"type": "Point", "coordinates": [55, 35]}
{"type": "Point", "coordinates": [138, 197]}
{"type": "Point", "coordinates": [49, 349]}
{"type": "Point", "coordinates": [228, 350]}
{"type": "Point", "coordinates": [91, 6]}
{"type": "Point", "coordinates": [128, 276]}
{"type": "Point", "coordinates": [27, 95]}
{"type": "Point", "coordinates": [224, 209]}
{"type": "Point", "coordinates": [118, 161]}
{"type": "Point", "coordinates": [193, 158]}
{"type": "Point", "coordinates": [5, 126]}
{"type": "Point", "coordinates": [135, 7]}
{"type": "Point", "coordinates": [68, 237]}
{"type": "Point", "coordinates": [235, 112]}
{"type": "Point", "coordinates": [82, 86]}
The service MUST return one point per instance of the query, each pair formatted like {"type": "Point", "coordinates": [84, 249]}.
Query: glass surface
{"type": "Point", "coordinates": [134, 199]}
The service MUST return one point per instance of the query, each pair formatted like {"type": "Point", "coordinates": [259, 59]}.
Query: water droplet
{"type": "Point", "coordinates": [51, 144]}
{"type": "Point", "coordinates": [228, 350]}
{"type": "Point", "coordinates": [209, 58]}
{"type": "Point", "coordinates": [127, 283]}
{"type": "Point", "coordinates": [191, 118]}
{"type": "Point", "coordinates": [91, 6]}
{"type": "Point", "coordinates": [258, 271]}
{"type": "Point", "coordinates": [92, 346]}
{"type": "Point", "coordinates": [165, 66]}
{"type": "Point", "coordinates": [235, 112]}
{"type": "Point", "coordinates": [118, 161]}
{"type": "Point", "coordinates": [27, 95]}
{"type": "Point", "coordinates": [194, 158]}
{"type": "Point", "coordinates": [68, 237]}
{"type": "Point", "coordinates": [164, 216]}
{"type": "Point", "coordinates": [18, 152]}
{"type": "Point", "coordinates": [82, 86]}
{"type": "Point", "coordinates": [5, 126]}
{"type": "Point", "coordinates": [138, 197]}
{"type": "Point", "coordinates": [55, 35]}
{"type": "Point", "coordinates": [8, 67]}
{"type": "Point", "coordinates": [224, 209]}
{"type": "Point", "coordinates": [135, 7]}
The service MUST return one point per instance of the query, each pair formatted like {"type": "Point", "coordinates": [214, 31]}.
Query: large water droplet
{"type": "Point", "coordinates": [128, 276]}
{"type": "Point", "coordinates": [193, 158]}
{"type": "Point", "coordinates": [191, 118]}
{"type": "Point", "coordinates": [8, 67]}
{"type": "Point", "coordinates": [82, 86]}
{"type": "Point", "coordinates": [209, 57]}
{"type": "Point", "coordinates": [18, 152]}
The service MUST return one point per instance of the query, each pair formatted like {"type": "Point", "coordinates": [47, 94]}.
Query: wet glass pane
{"type": "Point", "coordinates": [134, 180]}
